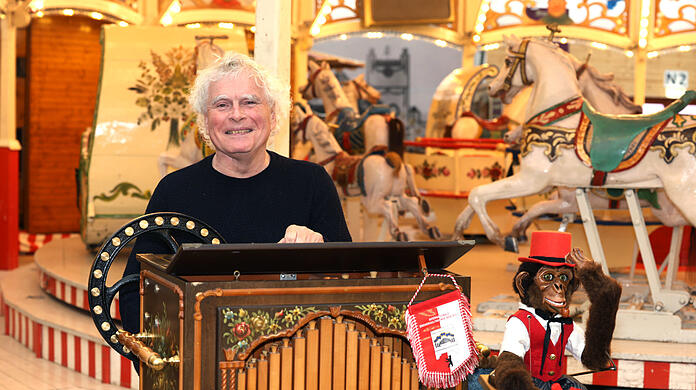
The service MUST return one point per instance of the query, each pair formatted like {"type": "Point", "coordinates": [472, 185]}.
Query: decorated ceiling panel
{"type": "Point", "coordinates": [675, 16]}
{"type": "Point", "coordinates": [607, 15]}
{"type": "Point", "coordinates": [340, 10]}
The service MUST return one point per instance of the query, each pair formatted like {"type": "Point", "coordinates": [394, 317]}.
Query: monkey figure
{"type": "Point", "coordinates": [538, 334]}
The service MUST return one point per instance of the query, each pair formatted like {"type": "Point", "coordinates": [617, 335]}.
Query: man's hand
{"type": "Point", "coordinates": [300, 234]}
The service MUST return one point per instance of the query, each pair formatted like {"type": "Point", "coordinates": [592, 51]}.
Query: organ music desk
{"type": "Point", "coordinates": [286, 316]}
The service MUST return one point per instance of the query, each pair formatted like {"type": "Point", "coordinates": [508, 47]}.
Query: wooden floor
{"type": "Point", "coordinates": [21, 370]}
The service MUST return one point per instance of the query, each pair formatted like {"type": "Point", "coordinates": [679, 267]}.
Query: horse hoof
{"type": "Point", "coordinates": [401, 236]}
{"type": "Point", "coordinates": [511, 244]}
{"type": "Point", "coordinates": [522, 238]}
{"type": "Point", "coordinates": [434, 233]}
{"type": "Point", "coordinates": [425, 206]}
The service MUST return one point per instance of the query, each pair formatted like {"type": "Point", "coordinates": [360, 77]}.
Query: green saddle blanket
{"type": "Point", "coordinates": [613, 134]}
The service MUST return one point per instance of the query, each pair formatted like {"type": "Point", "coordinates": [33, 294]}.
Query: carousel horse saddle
{"type": "Point", "coordinates": [349, 169]}
{"type": "Point", "coordinates": [612, 135]}
{"type": "Point", "coordinates": [348, 120]}
{"type": "Point", "coordinates": [349, 124]}
{"type": "Point", "coordinates": [344, 171]}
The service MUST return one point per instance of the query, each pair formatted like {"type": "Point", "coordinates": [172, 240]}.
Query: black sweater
{"type": "Point", "coordinates": [256, 209]}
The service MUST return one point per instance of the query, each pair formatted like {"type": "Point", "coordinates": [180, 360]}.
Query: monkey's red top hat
{"type": "Point", "coordinates": [549, 248]}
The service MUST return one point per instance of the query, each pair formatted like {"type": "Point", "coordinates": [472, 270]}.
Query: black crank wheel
{"type": "Point", "coordinates": [101, 296]}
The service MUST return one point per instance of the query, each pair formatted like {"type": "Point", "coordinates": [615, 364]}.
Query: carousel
{"type": "Point", "coordinates": [451, 129]}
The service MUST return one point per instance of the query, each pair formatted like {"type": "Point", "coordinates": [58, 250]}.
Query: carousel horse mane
{"type": "Point", "coordinates": [605, 82]}
{"type": "Point", "coordinates": [364, 90]}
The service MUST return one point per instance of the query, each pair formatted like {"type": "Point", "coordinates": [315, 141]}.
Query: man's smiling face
{"type": "Point", "coordinates": [239, 118]}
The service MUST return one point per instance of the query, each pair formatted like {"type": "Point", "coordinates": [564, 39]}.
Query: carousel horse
{"type": "Point", "coordinates": [360, 94]}
{"type": "Point", "coordinates": [191, 149]}
{"type": "Point", "coordinates": [378, 176]}
{"type": "Point", "coordinates": [600, 91]}
{"type": "Point", "coordinates": [567, 143]}
{"type": "Point", "coordinates": [355, 132]}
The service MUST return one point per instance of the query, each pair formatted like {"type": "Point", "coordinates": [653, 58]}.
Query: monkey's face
{"type": "Point", "coordinates": [552, 284]}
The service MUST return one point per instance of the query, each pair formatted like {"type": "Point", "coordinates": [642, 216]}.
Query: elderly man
{"type": "Point", "coordinates": [245, 192]}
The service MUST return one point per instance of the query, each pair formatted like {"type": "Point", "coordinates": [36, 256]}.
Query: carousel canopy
{"type": "Point", "coordinates": [628, 25]}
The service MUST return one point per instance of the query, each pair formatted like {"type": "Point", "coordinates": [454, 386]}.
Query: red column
{"type": "Point", "coordinates": [9, 208]}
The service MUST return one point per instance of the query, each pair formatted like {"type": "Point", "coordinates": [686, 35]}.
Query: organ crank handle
{"type": "Point", "coordinates": [144, 353]}
{"type": "Point", "coordinates": [101, 296]}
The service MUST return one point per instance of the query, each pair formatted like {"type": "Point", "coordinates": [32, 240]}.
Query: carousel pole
{"type": "Point", "coordinates": [642, 17]}
{"type": "Point", "coordinates": [272, 51]}
{"type": "Point", "coordinates": [639, 74]}
{"type": "Point", "coordinates": [149, 9]}
{"type": "Point", "coordinates": [468, 12]}
{"type": "Point", "coordinates": [302, 20]}
{"type": "Point", "coordinates": [9, 149]}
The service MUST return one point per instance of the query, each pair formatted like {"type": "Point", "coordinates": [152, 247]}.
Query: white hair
{"type": "Point", "coordinates": [232, 64]}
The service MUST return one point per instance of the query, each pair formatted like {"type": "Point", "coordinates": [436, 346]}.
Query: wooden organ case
{"type": "Point", "coordinates": [287, 316]}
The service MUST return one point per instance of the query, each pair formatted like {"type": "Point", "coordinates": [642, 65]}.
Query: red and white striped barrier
{"type": "Point", "coordinates": [90, 357]}
{"type": "Point", "coordinates": [71, 293]}
{"type": "Point", "coordinates": [637, 374]}
{"type": "Point", "coordinates": [30, 243]}
{"type": "Point", "coordinates": [640, 374]}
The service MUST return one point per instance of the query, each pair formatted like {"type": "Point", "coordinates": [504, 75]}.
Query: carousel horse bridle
{"type": "Point", "coordinates": [310, 84]}
{"type": "Point", "coordinates": [302, 127]}
{"type": "Point", "coordinates": [518, 59]}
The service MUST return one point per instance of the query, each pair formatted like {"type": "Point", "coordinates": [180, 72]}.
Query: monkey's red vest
{"type": "Point", "coordinates": [555, 365]}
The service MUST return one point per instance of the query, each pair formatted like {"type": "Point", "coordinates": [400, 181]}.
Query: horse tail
{"type": "Point", "coordinates": [394, 161]}
{"type": "Point", "coordinates": [396, 134]}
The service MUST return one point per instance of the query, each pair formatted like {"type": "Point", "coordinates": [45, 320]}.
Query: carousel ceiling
{"type": "Point", "coordinates": [629, 25]}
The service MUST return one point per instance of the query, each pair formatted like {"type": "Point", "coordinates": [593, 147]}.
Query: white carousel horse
{"type": "Point", "coordinates": [379, 127]}
{"type": "Point", "coordinates": [600, 91]}
{"type": "Point", "coordinates": [191, 149]}
{"type": "Point", "coordinates": [358, 89]}
{"type": "Point", "coordinates": [377, 177]}
{"type": "Point", "coordinates": [550, 156]}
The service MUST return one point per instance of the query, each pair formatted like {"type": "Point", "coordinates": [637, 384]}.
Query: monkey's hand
{"type": "Point", "coordinates": [599, 287]}
{"type": "Point", "coordinates": [510, 374]}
